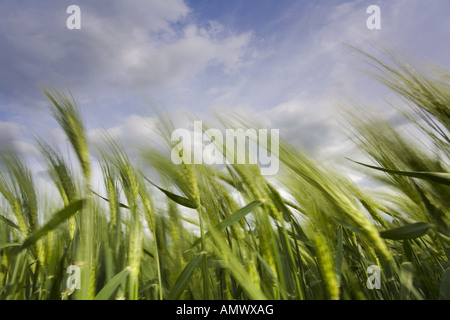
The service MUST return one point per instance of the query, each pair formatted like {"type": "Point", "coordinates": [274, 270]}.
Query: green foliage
{"type": "Point", "coordinates": [227, 232]}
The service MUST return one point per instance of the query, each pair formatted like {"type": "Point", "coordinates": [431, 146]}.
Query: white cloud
{"type": "Point", "coordinates": [122, 47]}
{"type": "Point", "coordinates": [11, 138]}
{"type": "Point", "coordinates": [135, 131]}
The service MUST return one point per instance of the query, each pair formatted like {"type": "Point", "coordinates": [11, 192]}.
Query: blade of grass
{"type": "Point", "coordinates": [112, 285]}
{"type": "Point", "coordinates": [8, 245]}
{"type": "Point", "coordinates": [238, 215]}
{"type": "Point", "coordinates": [56, 220]}
{"type": "Point", "coordinates": [178, 199]}
{"type": "Point", "coordinates": [9, 222]}
{"type": "Point", "coordinates": [232, 219]}
{"type": "Point", "coordinates": [107, 200]}
{"type": "Point", "coordinates": [410, 231]}
{"type": "Point", "coordinates": [438, 177]}
{"type": "Point", "coordinates": [185, 277]}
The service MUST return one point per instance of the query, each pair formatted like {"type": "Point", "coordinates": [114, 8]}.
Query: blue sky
{"type": "Point", "coordinates": [283, 61]}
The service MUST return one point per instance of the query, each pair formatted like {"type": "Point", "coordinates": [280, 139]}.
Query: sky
{"type": "Point", "coordinates": [284, 61]}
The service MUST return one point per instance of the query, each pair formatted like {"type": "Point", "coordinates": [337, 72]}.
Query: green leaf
{"type": "Point", "coordinates": [238, 215]}
{"type": "Point", "coordinates": [235, 217]}
{"type": "Point", "coordinates": [112, 285]}
{"type": "Point", "coordinates": [56, 220]}
{"type": "Point", "coordinates": [410, 231]}
{"type": "Point", "coordinates": [189, 203]}
{"type": "Point", "coordinates": [106, 199]}
{"type": "Point", "coordinates": [438, 177]}
{"type": "Point", "coordinates": [8, 245]}
{"type": "Point", "coordinates": [9, 222]}
{"type": "Point", "coordinates": [184, 278]}
{"type": "Point", "coordinates": [444, 293]}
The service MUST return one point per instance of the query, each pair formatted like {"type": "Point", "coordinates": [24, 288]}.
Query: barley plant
{"type": "Point", "coordinates": [190, 231]}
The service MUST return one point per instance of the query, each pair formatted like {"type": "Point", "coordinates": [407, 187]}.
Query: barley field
{"type": "Point", "coordinates": [162, 231]}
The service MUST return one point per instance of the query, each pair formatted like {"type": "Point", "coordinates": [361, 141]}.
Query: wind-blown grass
{"type": "Point", "coordinates": [227, 232]}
